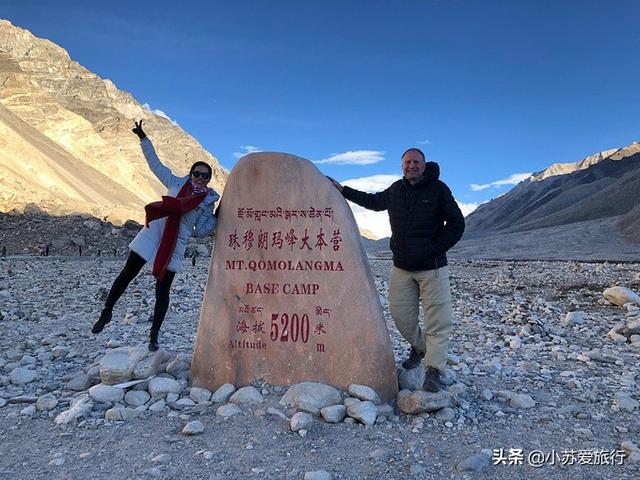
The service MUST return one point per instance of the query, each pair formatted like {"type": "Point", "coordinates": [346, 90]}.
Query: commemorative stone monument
{"type": "Point", "coordinates": [290, 296]}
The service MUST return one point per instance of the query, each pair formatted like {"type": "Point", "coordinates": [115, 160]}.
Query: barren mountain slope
{"type": "Point", "coordinates": [66, 136]}
{"type": "Point", "coordinates": [604, 190]}
{"type": "Point", "coordinates": [582, 210]}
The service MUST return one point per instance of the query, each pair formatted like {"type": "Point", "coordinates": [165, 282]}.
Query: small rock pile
{"type": "Point", "coordinates": [128, 381]}
{"type": "Point", "coordinates": [360, 404]}
{"type": "Point", "coordinates": [627, 331]}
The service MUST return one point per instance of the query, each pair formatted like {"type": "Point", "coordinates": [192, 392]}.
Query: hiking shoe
{"type": "Point", "coordinates": [432, 381]}
{"type": "Point", "coordinates": [415, 357]}
{"type": "Point", "coordinates": [153, 341]}
{"type": "Point", "coordinates": [105, 317]}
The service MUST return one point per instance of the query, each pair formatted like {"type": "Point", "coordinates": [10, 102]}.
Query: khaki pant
{"type": "Point", "coordinates": [432, 286]}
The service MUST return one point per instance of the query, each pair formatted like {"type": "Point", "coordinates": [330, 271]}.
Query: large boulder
{"type": "Point", "coordinates": [311, 397]}
{"type": "Point", "coordinates": [621, 295]}
{"type": "Point", "coordinates": [22, 376]}
{"type": "Point", "coordinates": [159, 387]}
{"type": "Point", "coordinates": [290, 297]}
{"type": "Point", "coordinates": [117, 365]}
{"type": "Point", "coordinates": [149, 365]}
{"type": "Point", "coordinates": [222, 394]}
{"type": "Point", "coordinates": [366, 412]}
{"type": "Point", "coordinates": [364, 392]}
{"type": "Point", "coordinates": [106, 393]}
{"type": "Point", "coordinates": [421, 401]}
{"type": "Point", "coordinates": [181, 363]}
{"type": "Point", "coordinates": [248, 394]}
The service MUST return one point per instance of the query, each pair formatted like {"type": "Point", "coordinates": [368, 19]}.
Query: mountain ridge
{"type": "Point", "coordinates": [589, 212]}
{"type": "Point", "coordinates": [569, 167]}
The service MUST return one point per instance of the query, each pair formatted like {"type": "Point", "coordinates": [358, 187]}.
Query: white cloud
{"type": "Point", "coordinates": [245, 150]}
{"type": "Point", "coordinates": [375, 222]}
{"type": "Point", "coordinates": [513, 179]}
{"type": "Point", "coordinates": [424, 142]}
{"type": "Point", "coordinates": [372, 184]}
{"type": "Point", "coordinates": [353, 157]}
{"type": "Point", "coordinates": [467, 208]}
{"type": "Point", "coordinates": [159, 113]}
{"type": "Point", "coordinates": [378, 222]}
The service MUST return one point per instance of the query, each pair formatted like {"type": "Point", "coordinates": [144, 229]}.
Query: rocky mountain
{"type": "Point", "coordinates": [566, 168]}
{"type": "Point", "coordinates": [65, 136]}
{"type": "Point", "coordinates": [588, 206]}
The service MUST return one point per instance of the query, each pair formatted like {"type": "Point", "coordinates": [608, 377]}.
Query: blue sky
{"type": "Point", "coordinates": [488, 89]}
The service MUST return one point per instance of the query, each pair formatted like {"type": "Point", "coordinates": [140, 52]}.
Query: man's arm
{"type": "Point", "coordinates": [372, 201]}
{"type": "Point", "coordinates": [451, 232]}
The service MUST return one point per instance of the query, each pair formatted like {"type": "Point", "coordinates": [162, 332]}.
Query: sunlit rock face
{"type": "Point", "coordinates": [65, 136]}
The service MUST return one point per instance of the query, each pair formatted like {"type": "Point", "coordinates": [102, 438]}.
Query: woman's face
{"type": "Point", "coordinates": [200, 175]}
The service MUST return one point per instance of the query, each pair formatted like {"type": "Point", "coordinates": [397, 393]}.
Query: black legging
{"type": "Point", "coordinates": [133, 266]}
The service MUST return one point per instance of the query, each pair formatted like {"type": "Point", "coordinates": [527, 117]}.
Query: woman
{"type": "Point", "coordinates": [168, 226]}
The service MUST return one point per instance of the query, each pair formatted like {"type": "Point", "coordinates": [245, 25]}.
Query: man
{"type": "Point", "coordinates": [425, 222]}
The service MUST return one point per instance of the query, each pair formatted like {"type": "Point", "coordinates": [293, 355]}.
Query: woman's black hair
{"type": "Point", "coordinates": [201, 164]}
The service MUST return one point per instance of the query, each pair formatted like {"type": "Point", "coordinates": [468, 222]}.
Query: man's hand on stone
{"type": "Point", "coordinates": [335, 184]}
{"type": "Point", "coordinates": [138, 130]}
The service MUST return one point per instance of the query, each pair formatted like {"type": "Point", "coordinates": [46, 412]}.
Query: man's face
{"type": "Point", "coordinates": [413, 166]}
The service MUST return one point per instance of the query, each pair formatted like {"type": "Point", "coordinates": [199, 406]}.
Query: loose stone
{"type": "Point", "coordinates": [421, 401]}
{"type": "Point", "coordinates": [193, 428]}
{"type": "Point", "coordinates": [199, 394]}
{"type": "Point", "coordinates": [121, 414]}
{"type": "Point", "coordinates": [364, 393]}
{"type": "Point", "coordinates": [228, 410]}
{"type": "Point", "coordinates": [334, 413]}
{"type": "Point", "coordinates": [162, 459]}
{"type": "Point", "coordinates": [248, 394]}
{"type": "Point", "coordinates": [366, 412]}
{"type": "Point", "coordinates": [522, 400]}
{"type": "Point", "coordinates": [106, 393]}
{"type": "Point", "coordinates": [22, 376]}
{"type": "Point", "coordinates": [46, 402]}
{"type": "Point", "coordinates": [301, 421]}
{"type": "Point", "coordinates": [160, 387]}
{"type": "Point", "coordinates": [136, 398]}
{"type": "Point", "coordinates": [222, 394]}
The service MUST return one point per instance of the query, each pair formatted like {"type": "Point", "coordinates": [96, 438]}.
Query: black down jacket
{"type": "Point", "coordinates": [425, 219]}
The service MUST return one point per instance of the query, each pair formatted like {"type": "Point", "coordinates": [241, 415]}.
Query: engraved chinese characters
{"type": "Point", "coordinates": [290, 296]}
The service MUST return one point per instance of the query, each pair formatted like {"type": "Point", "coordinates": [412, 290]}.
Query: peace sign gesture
{"type": "Point", "coordinates": [138, 130]}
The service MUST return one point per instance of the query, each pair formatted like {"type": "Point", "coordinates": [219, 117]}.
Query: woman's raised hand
{"type": "Point", "coordinates": [138, 129]}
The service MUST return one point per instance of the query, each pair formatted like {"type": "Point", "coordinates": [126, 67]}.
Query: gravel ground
{"type": "Point", "coordinates": [526, 377]}
{"type": "Point", "coordinates": [595, 240]}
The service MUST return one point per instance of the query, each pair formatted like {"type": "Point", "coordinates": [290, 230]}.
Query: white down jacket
{"type": "Point", "coordinates": [199, 221]}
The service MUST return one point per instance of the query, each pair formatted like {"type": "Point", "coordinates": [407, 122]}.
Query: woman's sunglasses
{"type": "Point", "coordinates": [204, 175]}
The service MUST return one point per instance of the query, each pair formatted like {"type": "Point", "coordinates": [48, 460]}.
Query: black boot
{"type": "Point", "coordinates": [105, 317]}
{"type": "Point", "coordinates": [432, 381]}
{"type": "Point", "coordinates": [415, 357]}
{"type": "Point", "coordinates": [153, 341]}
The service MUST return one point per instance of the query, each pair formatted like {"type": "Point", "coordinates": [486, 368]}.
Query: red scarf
{"type": "Point", "coordinates": [172, 208]}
